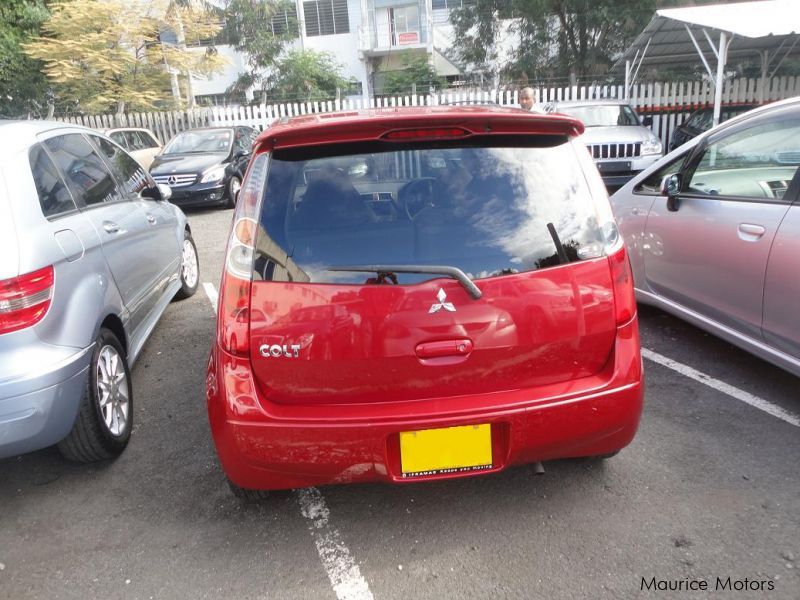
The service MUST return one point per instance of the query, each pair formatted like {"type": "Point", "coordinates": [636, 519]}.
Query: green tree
{"type": "Point", "coordinates": [102, 54]}
{"type": "Point", "coordinates": [416, 71]}
{"type": "Point", "coordinates": [23, 86]}
{"type": "Point", "coordinates": [305, 76]}
{"type": "Point", "coordinates": [555, 37]}
{"type": "Point", "coordinates": [260, 30]}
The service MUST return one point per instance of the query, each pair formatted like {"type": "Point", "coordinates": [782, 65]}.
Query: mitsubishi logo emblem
{"type": "Point", "coordinates": [171, 180]}
{"type": "Point", "coordinates": [437, 306]}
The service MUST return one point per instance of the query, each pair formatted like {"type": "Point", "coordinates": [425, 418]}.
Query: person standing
{"type": "Point", "coordinates": [526, 101]}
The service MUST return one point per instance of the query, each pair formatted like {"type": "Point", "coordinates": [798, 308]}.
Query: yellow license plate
{"type": "Point", "coordinates": [450, 450]}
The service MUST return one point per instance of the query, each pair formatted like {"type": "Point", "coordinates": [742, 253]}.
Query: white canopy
{"type": "Point", "coordinates": [748, 19]}
{"type": "Point", "coordinates": [712, 33]}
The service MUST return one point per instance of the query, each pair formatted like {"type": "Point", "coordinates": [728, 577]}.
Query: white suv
{"type": "Point", "coordinates": [617, 138]}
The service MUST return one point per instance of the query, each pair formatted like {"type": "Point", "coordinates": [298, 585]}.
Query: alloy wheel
{"type": "Point", "coordinates": [112, 390]}
{"type": "Point", "coordinates": [234, 188]}
{"type": "Point", "coordinates": [189, 264]}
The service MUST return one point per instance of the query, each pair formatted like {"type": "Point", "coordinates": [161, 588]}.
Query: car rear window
{"type": "Point", "coordinates": [54, 197]}
{"type": "Point", "coordinates": [483, 207]}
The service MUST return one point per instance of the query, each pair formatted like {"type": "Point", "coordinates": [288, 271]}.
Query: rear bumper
{"type": "Point", "coordinates": [267, 446]}
{"type": "Point", "coordinates": [39, 412]}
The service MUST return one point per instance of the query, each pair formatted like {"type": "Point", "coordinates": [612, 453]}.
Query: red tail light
{"type": "Point", "coordinates": [233, 324]}
{"type": "Point", "coordinates": [622, 277]}
{"type": "Point", "coordinates": [24, 300]}
{"type": "Point", "coordinates": [432, 133]}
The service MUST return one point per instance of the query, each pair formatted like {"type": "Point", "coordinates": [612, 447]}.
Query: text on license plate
{"type": "Point", "coordinates": [448, 450]}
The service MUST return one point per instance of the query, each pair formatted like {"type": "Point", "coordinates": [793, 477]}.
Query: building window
{"type": "Point", "coordinates": [398, 26]}
{"type": "Point", "coordinates": [326, 17]}
{"type": "Point", "coordinates": [405, 19]}
{"type": "Point", "coordinates": [447, 4]}
{"type": "Point", "coordinates": [285, 22]}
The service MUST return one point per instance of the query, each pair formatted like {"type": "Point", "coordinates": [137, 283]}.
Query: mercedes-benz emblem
{"type": "Point", "coordinates": [171, 180]}
{"type": "Point", "coordinates": [437, 306]}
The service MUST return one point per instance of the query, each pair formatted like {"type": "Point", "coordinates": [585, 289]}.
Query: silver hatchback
{"type": "Point", "coordinates": [713, 232]}
{"type": "Point", "coordinates": [91, 253]}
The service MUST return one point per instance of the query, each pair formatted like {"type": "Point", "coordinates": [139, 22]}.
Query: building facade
{"type": "Point", "coordinates": [369, 38]}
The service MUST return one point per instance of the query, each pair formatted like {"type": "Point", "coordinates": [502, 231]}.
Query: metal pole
{"type": "Point", "coordinates": [764, 74]}
{"type": "Point", "coordinates": [627, 78]}
{"type": "Point", "coordinates": [723, 55]}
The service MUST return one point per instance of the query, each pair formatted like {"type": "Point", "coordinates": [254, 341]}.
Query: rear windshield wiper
{"type": "Point", "coordinates": [562, 254]}
{"type": "Point", "coordinates": [387, 270]}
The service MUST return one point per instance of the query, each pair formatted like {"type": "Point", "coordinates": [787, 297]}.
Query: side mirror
{"type": "Point", "coordinates": [647, 121]}
{"type": "Point", "coordinates": [160, 192]}
{"type": "Point", "coordinates": [671, 187]}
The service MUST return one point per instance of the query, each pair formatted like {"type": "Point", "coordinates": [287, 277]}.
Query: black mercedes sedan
{"type": "Point", "coordinates": [205, 167]}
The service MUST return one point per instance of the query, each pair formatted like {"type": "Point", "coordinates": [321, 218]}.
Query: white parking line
{"type": "Point", "coordinates": [342, 570]}
{"type": "Point", "coordinates": [211, 292]}
{"type": "Point", "coordinates": [721, 386]}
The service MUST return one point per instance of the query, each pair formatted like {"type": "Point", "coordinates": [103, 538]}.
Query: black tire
{"type": "Point", "coordinates": [188, 290]}
{"type": "Point", "coordinates": [248, 495]}
{"type": "Point", "coordinates": [230, 194]}
{"type": "Point", "coordinates": [90, 439]}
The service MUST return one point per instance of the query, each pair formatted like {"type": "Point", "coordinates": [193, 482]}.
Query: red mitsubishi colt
{"type": "Point", "coordinates": [418, 294]}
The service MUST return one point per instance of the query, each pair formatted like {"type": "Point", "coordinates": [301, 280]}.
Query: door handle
{"type": "Point", "coordinates": [750, 232]}
{"type": "Point", "coordinates": [447, 348]}
{"type": "Point", "coordinates": [110, 227]}
{"type": "Point", "coordinates": [151, 219]}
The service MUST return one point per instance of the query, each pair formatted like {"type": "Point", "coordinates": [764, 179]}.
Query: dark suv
{"type": "Point", "coordinates": [205, 167]}
{"type": "Point", "coordinates": [418, 294]}
{"type": "Point", "coordinates": [701, 120]}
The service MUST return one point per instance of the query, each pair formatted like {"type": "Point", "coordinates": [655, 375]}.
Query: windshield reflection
{"type": "Point", "coordinates": [200, 141]}
{"type": "Point", "coordinates": [484, 210]}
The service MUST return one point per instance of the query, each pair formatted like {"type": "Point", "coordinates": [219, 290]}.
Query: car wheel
{"type": "Point", "coordinates": [190, 268]}
{"type": "Point", "coordinates": [248, 495]}
{"type": "Point", "coordinates": [234, 186]}
{"type": "Point", "coordinates": [105, 416]}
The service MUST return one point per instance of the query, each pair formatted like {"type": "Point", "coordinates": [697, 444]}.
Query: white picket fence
{"type": "Point", "coordinates": [668, 103]}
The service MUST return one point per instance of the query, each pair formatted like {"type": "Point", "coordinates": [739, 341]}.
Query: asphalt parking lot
{"type": "Point", "coordinates": [709, 489]}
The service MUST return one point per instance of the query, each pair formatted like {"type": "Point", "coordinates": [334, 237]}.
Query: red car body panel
{"type": "Point", "coordinates": [311, 383]}
{"type": "Point", "coordinates": [362, 343]}
{"type": "Point", "coordinates": [263, 445]}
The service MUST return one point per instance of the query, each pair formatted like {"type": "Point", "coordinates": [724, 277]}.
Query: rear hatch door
{"type": "Point", "coordinates": [512, 213]}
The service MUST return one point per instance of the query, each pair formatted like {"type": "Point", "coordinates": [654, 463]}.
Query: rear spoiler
{"type": "Point", "coordinates": [374, 125]}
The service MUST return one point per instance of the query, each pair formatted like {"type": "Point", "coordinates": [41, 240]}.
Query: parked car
{"type": "Point", "coordinates": [141, 144]}
{"type": "Point", "coordinates": [91, 253]}
{"type": "Point", "coordinates": [701, 120]}
{"type": "Point", "coordinates": [417, 294]}
{"type": "Point", "coordinates": [713, 232]}
{"type": "Point", "coordinates": [205, 166]}
{"type": "Point", "coordinates": [619, 141]}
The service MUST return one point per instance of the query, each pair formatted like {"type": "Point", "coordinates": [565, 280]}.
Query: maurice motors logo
{"type": "Point", "coordinates": [437, 306]}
